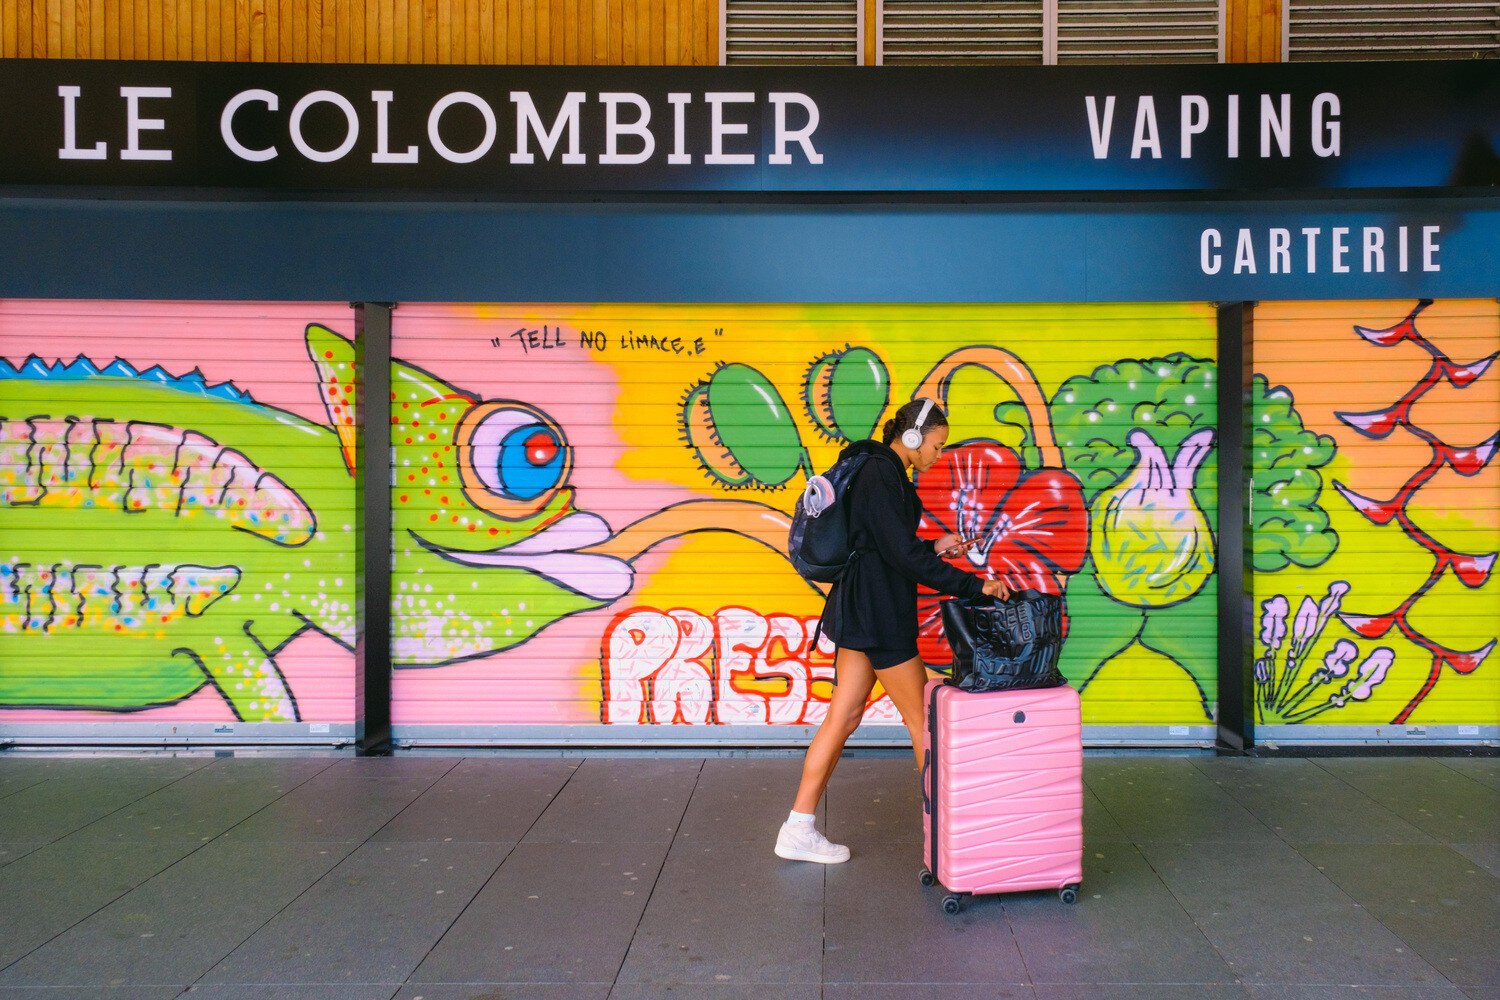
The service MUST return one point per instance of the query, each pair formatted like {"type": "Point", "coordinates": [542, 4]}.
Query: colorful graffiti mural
{"type": "Point", "coordinates": [166, 533]}
{"type": "Point", "coordinates": [716, 628]}
{"type": "Point", "coordinates": [1406, 596]}
{"type": "Point", "coordinates": [590, 505]}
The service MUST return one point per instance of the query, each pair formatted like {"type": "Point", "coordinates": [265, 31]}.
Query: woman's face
{"type": "Point", "coordinates": [933, 443]}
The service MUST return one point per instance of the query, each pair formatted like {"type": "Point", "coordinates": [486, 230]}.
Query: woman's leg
{"type": "Point", "coordinates": [905, 683]}
{"type": "Point", "coordinates": [856, 679]}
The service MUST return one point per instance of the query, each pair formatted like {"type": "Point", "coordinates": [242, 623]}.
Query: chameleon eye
{"type": "Point", "coordinates": [513, 458]}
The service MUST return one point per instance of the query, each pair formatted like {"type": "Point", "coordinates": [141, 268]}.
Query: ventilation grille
{"type": "Point", "coordinates": [1157, 31]}
{"type": "Point", "coordinates": [1372, 29]}
{"type": "Point", "coordinates": [932, 32]}
{"type": "Point", "coordinates": [791, 32]}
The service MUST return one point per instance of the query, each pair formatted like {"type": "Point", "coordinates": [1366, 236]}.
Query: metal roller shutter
{"type": "Point", "coordinates": [1157, 31]}
{"type": "Point", "coordinates": [590, 505]}
{"type": "Point", "coordinates": [1381, 29]}
{"type": "Point", "coordinates": [176, 522]}
{"type": "Point", "coordinates": [791, 32]}
{"type": "Point", "coordinates": [1377, 521]}
{"type": "Point", "coordinates": [933, 32]}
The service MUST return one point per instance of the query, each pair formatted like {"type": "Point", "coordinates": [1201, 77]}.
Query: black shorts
{"type": "Point", "coordinates": [884, 657]}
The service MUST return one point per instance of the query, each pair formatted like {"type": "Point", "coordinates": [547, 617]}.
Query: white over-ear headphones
{"type": "Point", "coordinates": [912, 436]}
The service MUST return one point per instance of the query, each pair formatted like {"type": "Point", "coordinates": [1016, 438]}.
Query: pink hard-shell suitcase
{"type": "Point", "coordinates": [1002, 792]}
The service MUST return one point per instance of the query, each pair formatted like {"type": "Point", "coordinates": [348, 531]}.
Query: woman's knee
{"type": "Point", "coordinates": [844, 722]}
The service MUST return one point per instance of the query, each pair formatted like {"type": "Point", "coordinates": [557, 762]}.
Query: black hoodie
{"type": "Point", "coordinates": [875, 604]}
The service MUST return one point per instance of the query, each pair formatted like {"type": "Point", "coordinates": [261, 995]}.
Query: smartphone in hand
{"type": "Point", "coordinates": [964, 544]}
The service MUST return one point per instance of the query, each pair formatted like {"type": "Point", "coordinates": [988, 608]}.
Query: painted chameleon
{"type": "Point", "coordinates": [162, 534]}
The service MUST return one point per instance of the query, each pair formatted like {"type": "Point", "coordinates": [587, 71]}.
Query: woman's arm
{"type": "Point", "coordinates": [911, 556]}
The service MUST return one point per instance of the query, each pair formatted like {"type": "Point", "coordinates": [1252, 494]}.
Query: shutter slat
{"type": "Point", "coordinates": [805, 31]}
{"type": "Point", "coordinates": [1092, 31]}
{"type": "Point", "coordinates": [998, 31]}
{"type": "Point", "coordinates": [1319, 29]}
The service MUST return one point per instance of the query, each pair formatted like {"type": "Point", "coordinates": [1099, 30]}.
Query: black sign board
{"type": "Point", "coordinates": [505, 132]}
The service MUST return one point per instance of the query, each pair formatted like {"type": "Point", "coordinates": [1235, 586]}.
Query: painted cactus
{"type": "Point", "coordinates": [741, 430]}
{"type": "Point", "coordinates": [846, 392]}
{"type": "Point", "coordinates": [1152, 545]}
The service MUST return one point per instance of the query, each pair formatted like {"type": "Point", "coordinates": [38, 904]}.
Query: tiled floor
{"type": "Point", "coordinates": [639, 877]}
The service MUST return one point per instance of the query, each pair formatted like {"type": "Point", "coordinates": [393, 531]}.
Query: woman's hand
{"type": "Point", "coordinates": [950, 545]}
{"type": "Point", "coordinates": [996, 589]}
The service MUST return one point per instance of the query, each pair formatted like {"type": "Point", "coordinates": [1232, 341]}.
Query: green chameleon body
{"type": "Point", "coordinates": [160, 535]}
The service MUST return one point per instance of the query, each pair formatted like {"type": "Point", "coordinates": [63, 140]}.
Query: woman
{"type": "Point", "coordinates": [871, 614]}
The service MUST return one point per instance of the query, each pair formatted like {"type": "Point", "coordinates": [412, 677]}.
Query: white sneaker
{"type": "Point", "coordinates": [799, 842]}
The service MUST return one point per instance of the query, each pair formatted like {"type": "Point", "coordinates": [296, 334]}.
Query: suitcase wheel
{"type": "Point", "coordinates": [953, 903]}
{"type": "Point", "coordinates": [928, 879]}
{"type": "Point", "coordinates": [1068, 894]}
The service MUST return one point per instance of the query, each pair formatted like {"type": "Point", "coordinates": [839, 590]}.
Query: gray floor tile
{"type": "Point", "coordinates": [20, 770]}
{"type": "Point", "coordinates": [115, 993]}
{"type": "Point", "coordinates": [1099, 824]}
{"type": "Point", "coordinates": [926, 991]}
{"type": "Point", "coordinates": [54, 887]}
{"type": "Point", "coordinates": [1483, 993]}
{"type": "Point", "coordinates": [873, 801]}
{"type": "Point", "coordinates": [1305, 804]}
{"type": "Point", "coordinates": [1276, 919]}
{"type": "Point", "coordinates": [314, 991]}
{"type": "Point", "coordinates": [209, 801]}
{"type": "Point", "coordinates": [1169, 799]}
{"type": "Point", "coordinates": [332, 806]}
{"type": "Point", "coordinates": [15, 852]}
{"type": "Point", "coordinates": [505, 991]}
{"type": "Point", "coordinates": [431, 766]}
{"type": "Point", "coordinates": [1141, 991]}
{"type": "Point", "coordinates": [371, 920]}
{"type": "Point", "coordinates": [1486, 856]}
{"type": "Point", "coordinates": [1261, 991]}
{"type": "Point", "coordinates": [741, 800]}
{"type": "Point", "coordinates": [1426, 792]}
{"type": "Point", "coordinates": [619, 800]}
{"type": "Point", "coordinates": [880, 925]}
{"type": "Point", "coordinates": [1430, 897]}
{"type": "Point", "coordinates": [552, 913]}
{"type": "Point", "coordinates": [1483, 769]}
{"type": "Point", "coordinates": [490, 799]}
{"type": "Point", "coordinates": [178, 925]}
{"type": "Point", "coordinates": [716, 991]}
{"type": "Point", "coordinates": [1125, 928]}
{"type": "Point", "coordinates": [17, 774]}
{"type": "Point", "coordinates": [731, 914]}
{"type": "Point", "coordinates": [77, 796]}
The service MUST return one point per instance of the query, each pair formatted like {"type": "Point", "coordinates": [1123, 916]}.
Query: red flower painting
{"type": "Point", "coordinates": [1031, 528]}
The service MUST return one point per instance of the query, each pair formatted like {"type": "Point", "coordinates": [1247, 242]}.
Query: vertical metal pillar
{"type": "Point", "coordinates": [1236, 565]}
{"type": "Point", "coordinates": [372, 643]}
